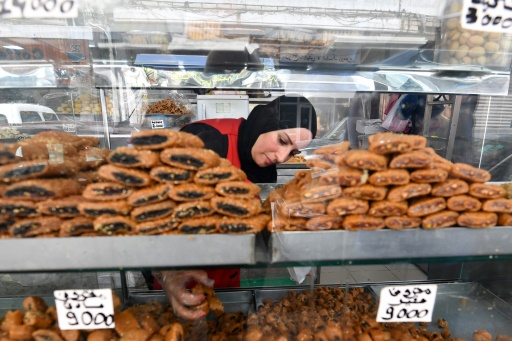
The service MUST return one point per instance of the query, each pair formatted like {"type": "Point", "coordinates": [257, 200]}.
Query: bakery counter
{"type": "Point", "coordinates": [126, 252]}
{"type": "Point", "coordinates": [310, 247]}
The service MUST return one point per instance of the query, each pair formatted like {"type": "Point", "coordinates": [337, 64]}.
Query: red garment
{"type": "Point", "coordinates": [224, 278]}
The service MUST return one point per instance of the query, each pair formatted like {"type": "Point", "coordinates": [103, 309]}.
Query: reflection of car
{"type": "Point", "coordinates": [28, 118]}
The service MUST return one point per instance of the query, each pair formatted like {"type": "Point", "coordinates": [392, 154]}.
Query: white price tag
{"type": "Point", "coordinates": [84, 309]}
{"type": "Point", "coordinates": [69, 127]}
{"type": "Point", "coordinates": [487, 15]}
{"type": "Point", "coordinates": [157, 124]}
{"type": "Point", "coordinates": [408, 303]}
{"type": "Point", "coordinates": [38, 9]}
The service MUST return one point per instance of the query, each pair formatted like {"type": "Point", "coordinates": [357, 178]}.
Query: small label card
{"type": "Point", "coordinates": [487, 15]}
{"type": "Point", "coordinates": [408, 303]}
{"type": "Point", "coordinates": [157, 124]}
{"type": "Point", "coordinates": [84, 309]}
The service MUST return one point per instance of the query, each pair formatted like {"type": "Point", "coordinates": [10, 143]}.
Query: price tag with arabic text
{"type": "Point", "coordinates": [84, 309]}
{"type": "Point", "coordinates": [407, 303]}
{"type": "Point", "coordinates": [487, 15]}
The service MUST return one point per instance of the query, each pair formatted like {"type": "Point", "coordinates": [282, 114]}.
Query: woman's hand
{"type": "Point", "coordinates": [174, 285]}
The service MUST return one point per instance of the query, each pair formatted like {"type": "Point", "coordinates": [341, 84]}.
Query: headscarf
{"type": "Point", "coordinates": [261, 120]}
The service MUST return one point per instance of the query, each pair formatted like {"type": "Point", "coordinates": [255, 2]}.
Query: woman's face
{"type": "Point", "coordinates": [279, 145]}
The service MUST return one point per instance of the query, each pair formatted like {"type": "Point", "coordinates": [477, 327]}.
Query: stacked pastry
{"type": "Point", "coordinates": [168, 183]}
{"type": "Point", "coordinates": [397, 183]}
{"type": "Point", "coordinates": [43, 178]}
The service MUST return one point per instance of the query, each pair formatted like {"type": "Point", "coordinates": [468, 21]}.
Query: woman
{"type": "Point", "coordinates": [254, 145]}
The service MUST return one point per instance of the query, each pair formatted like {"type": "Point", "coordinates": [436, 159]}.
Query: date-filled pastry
{"type": "Point", "coordinates": [385, 208]}
{"type": "Point", "coordinates": [429, 175]}
{"type": "Point", "coordinates": [63, 208]}
{"type": "Point", "coordinates": [402, 222]}
{"type": "Point", "coordinates": [194, 209]}
{"type": "Point", "coordinates": [237, 189]}
{"type": "Point", "coordinates": [389, 177]}
{"type": "Point", "coordinates": [411, 160]}
{"type": "Point", "coordinates": [76, 227]}
{"type": "Point", "coordinates": [42, 189]}
{"type": "Point", "coordinates": [425, 206]}
{"type": "Point", "coordinates": [188, 140]}
{"type": "Point", "coordinates": [364, 159]}
{"type": "Point", "coordinates": [153, 211]}
{"type": "Point", "coordinates": [154, 139]}
{"type": "Point", "coordinates": [324, 223]}
{"type": "Point", "coordinates": [100, 208]}
{"type": "Point", "coordinates": [133, 158]}
{"type": "Point", "coordinates": [246, 225]}
{"type": "Point", "coordinates": [215, 175]}
{"type": "Point", "coordinates": [171, 175]}
{"type": "Point", "coordinates": [5, 223]}
{"type": "Point", "coordinates": [504, 219]}
{"type": "Point", "coordinates": [463, 203]}
{"type": "Point", "coordinates": [390, 143]}
{"type": "Point", "coordinates": [25, 170]}
{"type": "Point", "coordinates": [477, 219]}
{"type": "Point", "coordinates": [31, 227]}
{"type": "Point", "coordinates": [450, 188]}
{"type": "Point", "coordinates": [190, 158]}
{"type": "Point", "coordinates": [301, 209]}
{"type": "Point", "coordinates": [409, 191]}
{"type": "Point", "coordinates": [113, 225]}
{"type": "Point", "coordinates": [157, 226]}
{"type": "Point", "coordinates": [348, 176]}
{"type": "Point", "coordinates": [320, 193]}
{"type": "Point", "coordinates": [149, 195]}
{"type": "Point", "coordinates": [357, 222]}
{"type": "Point", "coordinates": [331, 151]}
{"type": "Point", "coordinates": [235, 207]}
{"type": "Point", "coordinates": [487, 191]}
{"type": "Point", "coordinates": [500, 205]}
{"type": "Point", "coordinates": [191, 192]}
{"type": "Point", "coordinates": [125, 176]}
{"type": "Point", "coordinates": [470, 173]}
{"type": "Point", "coordinates": [8, 153]}
{"type": "Point", "coordinates": [366, 192]}
{"type": "Point", "coordinates": [17, 208]}
{"type": "Point", "coordinates": [204, 225]}
{"type": "Point", "coordinates": [106, 191]}
{"type": "Point", "coordinates": [344, 206]}
{"type": "Point", "coordinates": [440, 220]}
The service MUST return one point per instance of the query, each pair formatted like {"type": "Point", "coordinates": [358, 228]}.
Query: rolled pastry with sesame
{"type": "Point", "coordinates": [106, 191]}
{"type": "Point", "coordinates": [187, 140]}
{"type": "Point", "coordinates": [429, 175]}
{"type": "Point", "coordinates": [193, 209]}
{"type": "Point", "coordinates": [302, 209]}
{"type": "Point", "coordinates": [133, 158]}
{"type": "Point", "coordinates": [157, 226]}
{"type": "Point", "coordinates": [76, 226]}
{"type": "Point", "coordinates": [344, 206]}
{"type": "Point", "coordinates": [234, 207]}
{"type": "Point", "coordinates": [42, 189]}
{"type": "Point", "coordinates": [153, 211]}
{"type": "Point", "coordinates": [385, 208]}
{"type": "Point", "coordinates": [190, 158]}
{"type": "Point", "coordinates": [25, 170]}
{"type": "Point", "coordinates": [500, 205]}
{"type": "Point", "coordinates": [114, 225]}
{"type": "Point", "coordinates": [154, 139]}
{"type": "Point", "coordinates": [46, 151]}
{"type": "Point", "coordinates": [320, 193]}
{"type": "Point", "coordinates": [487, 191]}
{"type": "Point", "coordinates": [363, 159]}
{"type": "Point", "coordinates": [331, 151]}
{"type": "Point", "coordinates": [125, 176]}
{"type": "Point", "coordinates": [31, 227]}
{"type": "Point", "coordinates": [215, 175]}
{"type": "Point", "coordinates": [101, 208]}
{"type": "Point", "coordinates": [402, 222]}
{"type": "Point", "coordinates": [172, 175]}
{"type": "Point", "coordinates": [237, 189]}
{"type": "Point", "coordinates": [348, 176]}
{"type": "Point", "coordinates": [450, 188]}
{"type": "Point", "coordinates": [469, 173]}
{"type": "Point", "coordinates": [63, 208]}
{"type": "Point", "coordinates": [17, 208]}
{"type": "Point", "coordinates": [324, 223]}
{"type": "Point", "coordinates": [410, 160]}
{"type": "Point", "coordinates": [390, 143]}
{"type": "Point", "coordinates": [8, 153]}
{"type": "Point", "coordinates": [191, 192]}
{"type": "Point", "coordinates": [204, 225]}
{"type": "Point", "coordinates": [253, 224]}
{"type": "Point", "coordinates": [477, 219]}
{"type": "Point", "coordinates": [149, 195]}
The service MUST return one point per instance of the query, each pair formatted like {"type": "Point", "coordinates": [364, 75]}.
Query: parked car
{"type": "Point", "coordinates": [28, 118]}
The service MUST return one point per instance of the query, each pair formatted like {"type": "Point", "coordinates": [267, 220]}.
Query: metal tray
{"type": "Point", "coordinates": [468, 307]}
{"type": "Point", "coordinates": [233, 301]}
{"type": "Point", "coordinates": [130, 252]}
{"type": "Point", "coordinates": [317, 246]}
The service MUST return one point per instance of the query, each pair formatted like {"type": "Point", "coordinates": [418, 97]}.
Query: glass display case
{"type": "Point", "coordinates": [115, 69]}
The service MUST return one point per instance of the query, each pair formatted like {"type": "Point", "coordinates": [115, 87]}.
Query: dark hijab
{"type": "Point", "coordinates": [261, 120]}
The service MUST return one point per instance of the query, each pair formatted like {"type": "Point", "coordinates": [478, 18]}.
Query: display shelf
{"type": "Point", "coordinates": [126, 252]}
{"type": "Point", "coordinates": [328, 246]}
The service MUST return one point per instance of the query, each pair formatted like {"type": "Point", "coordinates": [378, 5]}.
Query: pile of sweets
{"type": "Point", "coordinates": [167, 183]}
{"type": "Point", "coordinates": [398, 183]}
